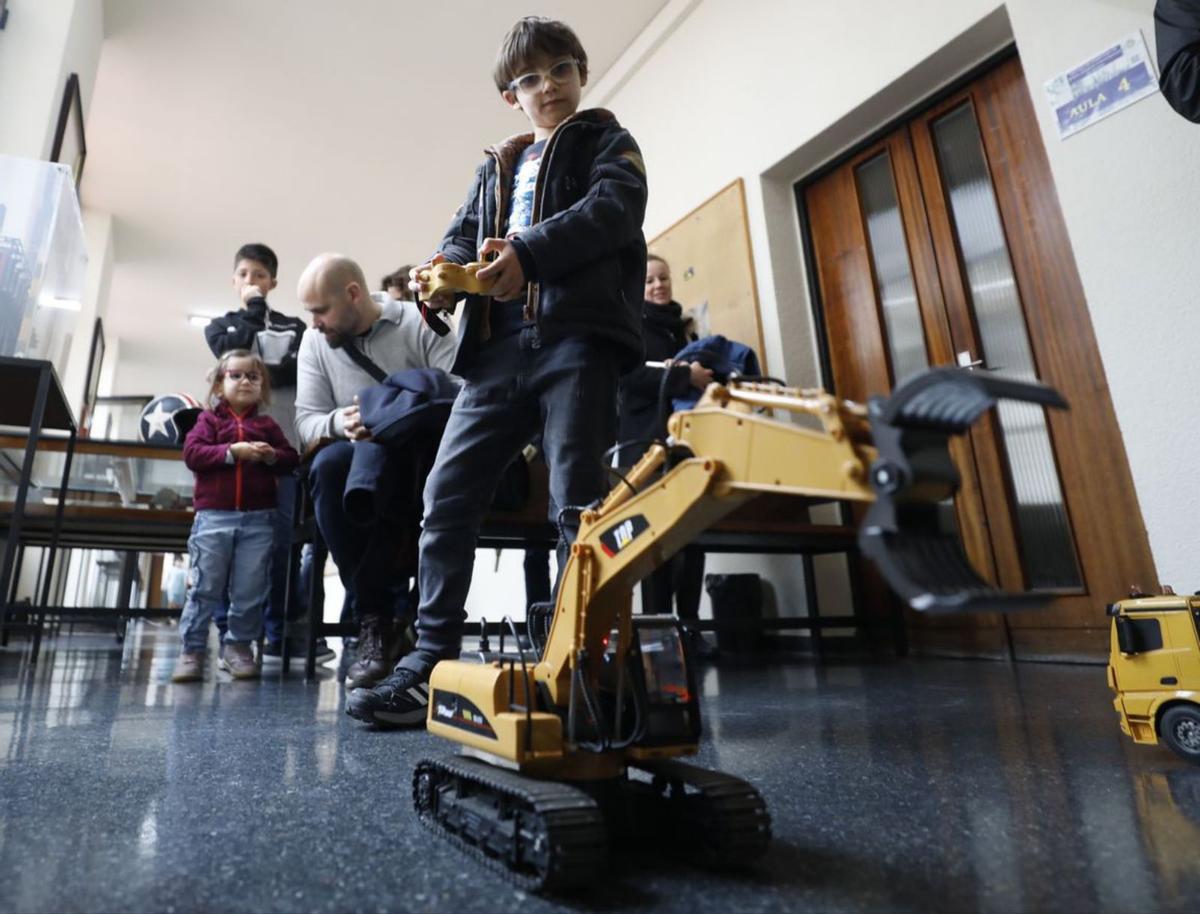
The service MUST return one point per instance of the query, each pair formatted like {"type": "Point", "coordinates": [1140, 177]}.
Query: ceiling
{"type": "Point", "coordinates": [304, 124]}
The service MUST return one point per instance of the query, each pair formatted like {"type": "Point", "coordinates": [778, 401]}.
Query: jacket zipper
{"type": "Point", "coordinates": [532, 310]}
{"type": "Point", "coordinates": [237, 490]}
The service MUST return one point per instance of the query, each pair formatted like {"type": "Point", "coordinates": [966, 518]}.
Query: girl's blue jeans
{"type": "Point", "coordinates": [230, 554]}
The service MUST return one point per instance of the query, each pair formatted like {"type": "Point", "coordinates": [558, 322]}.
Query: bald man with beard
{"type": "Point", "coordinates": [352, 327]}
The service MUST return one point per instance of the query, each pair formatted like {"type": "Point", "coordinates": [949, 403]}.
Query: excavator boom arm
{"type": "Point", "coordinates": [737, 454]}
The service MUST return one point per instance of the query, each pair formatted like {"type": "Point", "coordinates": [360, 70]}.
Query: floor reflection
{"type": "Point", "coordinates": [899, 785]}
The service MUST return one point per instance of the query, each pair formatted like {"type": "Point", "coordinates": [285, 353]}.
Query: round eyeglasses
{"type": "Point", "coordinates": [237, 376]}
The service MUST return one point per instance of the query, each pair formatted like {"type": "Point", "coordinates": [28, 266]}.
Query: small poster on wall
{"type": "Point", "coordinates": [1113, 79]}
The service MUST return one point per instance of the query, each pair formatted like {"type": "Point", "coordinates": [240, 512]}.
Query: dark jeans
{"type": "Point", "coordinates": [282, 525]}
{"type": "Point", "coordinates": [682, 578]}
{"type": "Point", "coordinates": [518, 386]}
{"type": "Point", "coordinates": [365, 555]}
{"type": "Point", "coordinates": [537, 576]}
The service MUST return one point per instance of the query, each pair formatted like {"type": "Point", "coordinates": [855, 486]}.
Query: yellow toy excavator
{"type": "Point", "coordinates": [578, 738]}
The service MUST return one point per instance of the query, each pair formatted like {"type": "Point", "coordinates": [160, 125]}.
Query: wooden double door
{"type": "Point", "coordinates": [943, 244]}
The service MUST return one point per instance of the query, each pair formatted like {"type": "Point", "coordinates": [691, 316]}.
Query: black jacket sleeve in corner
{"type": "Point", "coordinates": [1177, 35]}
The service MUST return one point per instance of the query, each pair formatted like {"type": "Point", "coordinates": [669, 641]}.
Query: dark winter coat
{"type": "Point", "coordinates": [273, 336]}
{"type": "Point", "coordinates": [664, 333]}
{"type": "Point", "coordinates": [406, 413]}
{"type": "Point", "coordinates": [725, 358]}
{"type": "Point", "coordinates": [242, 485]}
{"type": "Point", "coordinates": [584, 253]}
{"type": "Point", "coordinates": [1177, 35]}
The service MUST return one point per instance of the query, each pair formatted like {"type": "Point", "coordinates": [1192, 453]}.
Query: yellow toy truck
{"type": "Point", "coordinates": [1154, 669]}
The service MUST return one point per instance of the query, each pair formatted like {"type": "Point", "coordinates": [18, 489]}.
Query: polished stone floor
{"type": "Point", "coordinates": [897, 785]}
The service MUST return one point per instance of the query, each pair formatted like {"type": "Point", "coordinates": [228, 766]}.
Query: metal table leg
{"type": "Point", "coordinates": [18, 510]}
{"type": "Point", "coordinates": [52, 549]}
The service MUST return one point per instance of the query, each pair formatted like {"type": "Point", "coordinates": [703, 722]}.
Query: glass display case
{"type": "Point", "coordinates": [126, 504]}
{"type": "Point", "coordinates": [43, 260]}
{"type": "Point", "coordinates": [125, 474]}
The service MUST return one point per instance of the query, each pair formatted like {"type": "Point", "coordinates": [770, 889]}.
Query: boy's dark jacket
{"type": "Point", "coordinates": [584, 254]}
{"type": "Point", "coordinates": [242, 485]}
{"type": "Point", "coordinates": [278, 337]}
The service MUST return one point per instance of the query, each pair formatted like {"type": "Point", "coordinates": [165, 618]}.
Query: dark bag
{"type": "Point", "coordinates": [736, 598]}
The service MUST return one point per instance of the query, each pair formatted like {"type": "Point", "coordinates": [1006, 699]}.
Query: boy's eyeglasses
{"type": "Point", "coordinates": [237, 376]}
{"type": "Point", "coordinates": [533, 81]}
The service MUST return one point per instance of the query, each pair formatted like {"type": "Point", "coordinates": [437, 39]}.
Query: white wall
{"type": "Point", "coordinates": [98, 234]}
{"type": "Point", "coordinates": [768, 90]}
{"type": "Point", "coordinates": [43, 42]}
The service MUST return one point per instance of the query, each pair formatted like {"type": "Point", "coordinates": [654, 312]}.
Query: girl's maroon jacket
{"type": "Point", "coordinates": [242, 485]}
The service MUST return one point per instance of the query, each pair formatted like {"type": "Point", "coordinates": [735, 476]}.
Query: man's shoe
{"type": "Point", "coordinates": [378, 651]}
{"type": "Point", "coordinates": [239, 661]}
{"type": "Point", "coordinates": [189, 667]}
{"type": "Point", "coordinates": [402, 699]}
{"type": "Point", "coordinates": [272, 653]}
{"type": "Point", "coordinates": [324, 652]}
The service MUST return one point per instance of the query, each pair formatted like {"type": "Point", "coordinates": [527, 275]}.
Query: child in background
{"type": "Point", "coordinates": [237, 453]}
{"type": "Point", "coordinates": [275, 337]}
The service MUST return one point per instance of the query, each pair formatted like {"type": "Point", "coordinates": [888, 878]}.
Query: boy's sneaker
{"type": "Point", "coordinates": [402, 699]}
{"type": "Point", "coordinates": [272, 652]}
{"type": "Point", "coordinates": [239, 661]}
{"type": "Point", "coordinates": [189, 667]}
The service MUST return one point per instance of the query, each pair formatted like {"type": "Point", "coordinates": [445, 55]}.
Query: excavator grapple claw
{"type": "Point", "coordinates": [903, 532]}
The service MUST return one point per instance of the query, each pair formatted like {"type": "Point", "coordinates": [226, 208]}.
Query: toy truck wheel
{"type": "Point", "coordinates": [1180, 729]}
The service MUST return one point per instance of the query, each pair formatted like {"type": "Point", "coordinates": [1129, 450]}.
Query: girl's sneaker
{"type": "Point", "coordinates": [239, 661]}
{"type": "Point", "coordinates": [189, 667]}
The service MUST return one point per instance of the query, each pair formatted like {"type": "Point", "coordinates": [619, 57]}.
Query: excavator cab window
{"type": "Point", "coordinates": [667, 685]}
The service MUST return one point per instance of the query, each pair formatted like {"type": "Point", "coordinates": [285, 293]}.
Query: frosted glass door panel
{"type": "Point", "coordinates": [1046, 544]}
{"type": "Point", "coordinates": [893, 271]}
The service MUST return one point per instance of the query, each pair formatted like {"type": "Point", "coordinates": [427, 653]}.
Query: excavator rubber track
{"type": "Point", "coordinates": [544, 836]}
{"type": "Point", "coordinates": [902, 533]}
{"type": "Point", "coordinates": [719, 819]}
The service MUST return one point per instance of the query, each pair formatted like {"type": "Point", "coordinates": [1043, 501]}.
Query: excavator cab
{"type": "Point", "coordinates": [661, 682]}
{"type": "Point", "coordinates": [589, 729]}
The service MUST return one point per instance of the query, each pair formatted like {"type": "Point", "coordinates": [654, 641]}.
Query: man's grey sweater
{"type": "Point", "coordinates": [327, 379]}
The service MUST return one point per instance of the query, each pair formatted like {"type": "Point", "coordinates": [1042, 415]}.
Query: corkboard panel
{"type": "Point", "coordinates": [711, 262]}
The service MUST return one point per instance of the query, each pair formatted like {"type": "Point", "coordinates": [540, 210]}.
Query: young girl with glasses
{"type": "Point", "coordinates": [237, 453]}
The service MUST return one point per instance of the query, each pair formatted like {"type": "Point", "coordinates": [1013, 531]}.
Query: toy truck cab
{"type": "Point", "coordinates": [1154, 669]}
